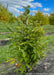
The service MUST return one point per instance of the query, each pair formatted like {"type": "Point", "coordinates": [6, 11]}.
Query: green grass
{"type": "Point", "coordinates": [50, 49]}
{"type": "Point", "coordinates": [3, 29]}
{"type": "Point", "coordinates": [4, 53]}
{"type": "Point", "coordinates": [48, 31]}
{"type": "Point", "coordinates": [2, 37]}
{"type": "Point", "coordinates": [48, 26]}
{"type": "Point", "coordinates": [50, 38]}
{"type": "Point", "coordinates": [3, 26]}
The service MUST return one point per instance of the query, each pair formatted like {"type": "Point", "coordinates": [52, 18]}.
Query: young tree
{"type": "Point", "coordinates": [46, 19]}
{"type": "Point", "coordinates": [27, 46]}
{"type": "Point", "coordinates": [51, 18]}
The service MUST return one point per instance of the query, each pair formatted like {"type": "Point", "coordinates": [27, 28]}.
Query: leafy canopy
{"type": "Point", "coordinates": [51, 18]}
{"type": "Point", "coordinates": [27, 45]}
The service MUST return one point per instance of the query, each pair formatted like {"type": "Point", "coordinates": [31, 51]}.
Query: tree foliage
{"type": "Point", "coordinates": [51, 18]}
{"type": "Point", "coordinates": [27, 45]}
{"type": "Point", "coordinates": [5, 15]}
{"type": "Point", "coordinates": [39, 17]}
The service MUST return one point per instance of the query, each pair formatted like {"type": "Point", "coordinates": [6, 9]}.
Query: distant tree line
{"type": "Point", "coordinates": [39, 17]}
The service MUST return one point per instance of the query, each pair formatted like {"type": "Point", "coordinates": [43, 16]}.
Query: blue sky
{"type": "Point", "coordinates": [15, 6]}
{"type": "Point", "coordinates": [47, 5]}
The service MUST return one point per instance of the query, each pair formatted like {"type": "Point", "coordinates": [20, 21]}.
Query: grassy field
{"type": "Point", "coordinates": [4, 53]}
{"type": "Point", "coordinates": [50, 47]}
{"type": "Point", "coordinates": [48, 28]}
{"type": "Point", "coordinates": [4, 26]}
{"type": "Point", "coordinates": [5, 36]}
{"type": "Point", "coordinates": [4, 29]}
{"type": "Point", "coordinates": [50, 39]}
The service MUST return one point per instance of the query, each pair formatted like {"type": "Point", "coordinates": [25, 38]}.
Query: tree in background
{"type": "Point", "coordinates": [39, 17]}
{"type": "Point", "coordinates": [46, 19]}
{"type": "Point", "coordinates": [5, 15]}
{"type": "Point", "coordinates": [51, 18]}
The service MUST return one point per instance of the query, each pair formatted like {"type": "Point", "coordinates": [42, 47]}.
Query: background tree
{"type": "Point", "coordinates": [46, 19]}
{"type": "Point", "coordinates": [39, 17]}
{"type": "Point", "coordinates": [51, 18]}
{"type": "Point", "coordinates": [5, 15]}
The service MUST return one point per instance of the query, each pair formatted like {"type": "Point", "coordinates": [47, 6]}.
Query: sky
{"type": "Point", "coordinates": [16, 6]}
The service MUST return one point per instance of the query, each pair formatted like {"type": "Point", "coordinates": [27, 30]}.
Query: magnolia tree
{"type": "Point", "coordinates": [27, 46]}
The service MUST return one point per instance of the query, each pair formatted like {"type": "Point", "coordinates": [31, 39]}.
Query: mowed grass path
{"type": "Point", "coordinates": [5, 36]}
{"type": "Point", "coordinates": [4, 53]}
{"type": "Point", "coordinates": [4, 29]}
{"type": "Point", "coordinates": [4, 26]}
{"type": "Point", "coordinates": [48, 28]}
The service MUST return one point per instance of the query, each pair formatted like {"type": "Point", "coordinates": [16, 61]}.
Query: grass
{"type": "Point", "coordinates": [50, 49]}
{"type": "Point", "coordinates": [2, 37]}
{"type": "Point", "coordinates": [48, 31]}
{"type": "Point", "coordinates": [3, 29]}
{"type": "Point", "coordinates": [48, 28]}
{"type": "Point", "coordinates": [4, 53]}
{"type": "Point", "coordinates": [3, 26]}
{"type": "Point", "coordinates": [50, 39]}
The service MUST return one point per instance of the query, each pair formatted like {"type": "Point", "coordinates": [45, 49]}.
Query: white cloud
{"type": "Point", "coordinates": [14, 4]}
{"type": "Point", "coordinates": [33, 12]}
{"type": "Point", "coordinates": [46, 14]}
{"type": "Point", "coordinates": [46, 9]}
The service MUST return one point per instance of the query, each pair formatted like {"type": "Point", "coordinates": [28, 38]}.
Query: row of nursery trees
{"type": "Point", "coordinates": [27, 42]}
{"type": "Point", "coordinates": [39, 17]}
{"type": "Point", "coordinates": [5, 15]}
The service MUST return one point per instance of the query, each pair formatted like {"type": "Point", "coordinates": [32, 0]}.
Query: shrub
{"type": "Point", "coordinates": [27, 45]}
